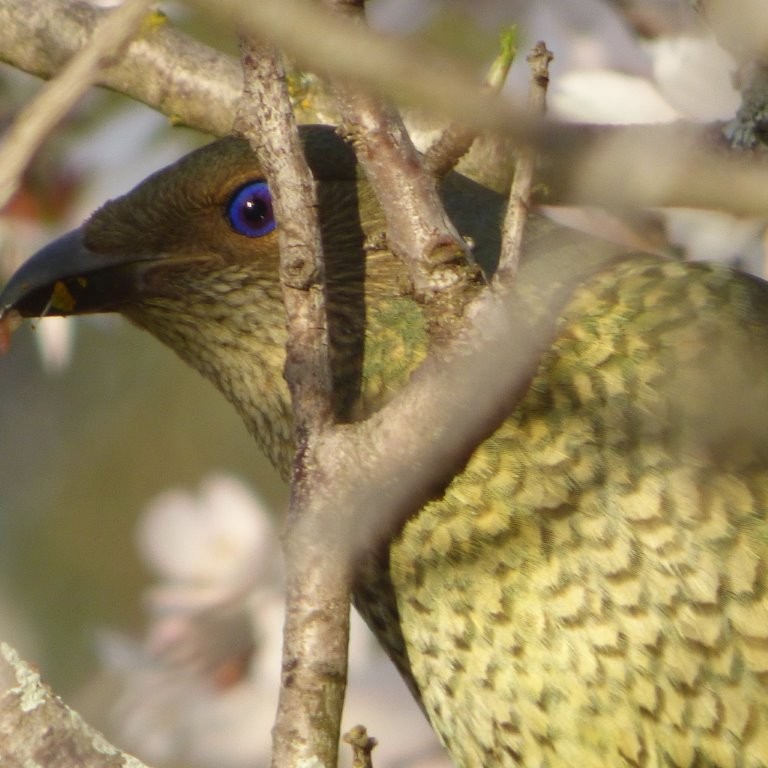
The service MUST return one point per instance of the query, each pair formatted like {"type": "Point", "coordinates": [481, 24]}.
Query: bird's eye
{"type": "Point", "coordinates": [249, 210]}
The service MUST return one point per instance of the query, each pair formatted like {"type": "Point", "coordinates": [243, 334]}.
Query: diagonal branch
{"type": "Point", "coordinates": [649, 165]}
{"type": "Point", "coordinates": [418, 228]}
{"type": "Point", "coordinates": [38, 729]}
{"type": "Point", "coordinates": [58, 96]}
{"type": "Point", "coordinates": [189, 82]}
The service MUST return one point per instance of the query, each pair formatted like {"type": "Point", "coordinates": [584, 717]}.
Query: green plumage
{"type": "Point", "coordinates": [591, 590]}
{"type": "Point", "coordinates": [600, 562]}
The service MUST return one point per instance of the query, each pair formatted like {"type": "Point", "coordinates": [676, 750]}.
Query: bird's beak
{"type": "Point", "coordinates": [66, 278]}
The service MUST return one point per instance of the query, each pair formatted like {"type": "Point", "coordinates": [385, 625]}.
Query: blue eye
{"type": "Point", "coordinates": [249, 210]}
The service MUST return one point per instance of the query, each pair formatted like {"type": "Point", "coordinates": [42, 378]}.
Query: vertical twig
{"type": "Point", "coordinates": [455, 141]}
{"type": "Point", "coordinates": [266, 119]}
{"type": "Point", "coordinates": [316, 630]}
{"type": "Point", "coordinates": [362, 745]}
{"type": "Point", "coordinates": [520, 194]}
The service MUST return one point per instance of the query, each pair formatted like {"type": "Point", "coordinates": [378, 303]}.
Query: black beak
{"type": "Point", "coordinates": [66, 278]}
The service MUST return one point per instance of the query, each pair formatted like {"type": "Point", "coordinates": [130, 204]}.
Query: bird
{"type": "Point", "coordinates": [591, 588]}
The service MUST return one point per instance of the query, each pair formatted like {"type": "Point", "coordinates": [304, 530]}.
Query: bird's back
{"type": "Point", "coordinates": [591, 590]}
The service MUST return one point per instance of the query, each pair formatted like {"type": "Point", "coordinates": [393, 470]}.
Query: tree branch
{"type": "Point", "coordinates": [266, 119]}
{"type": "Point", "coordinates": [418, 229]}
{"type": "Point", "coordinates": [37, 728]}
{"type": "Point", "coordinates": [611, 166]}
{"type": "Point", "coordinates": [316, 630]}
{"type": "Point", "coordinates": [56, 98]}
{"type": "Point", "coordinates": [165, 69]}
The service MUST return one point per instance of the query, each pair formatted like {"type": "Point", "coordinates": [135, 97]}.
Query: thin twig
{"type": "Point", "coordinates": [456, 140]}
{"type": "Point", "coordinates": [362, 746]}
{"type": "Point", "coordinates": [57, 97]}
{"type": "Point", "coordinates": [520, 195]}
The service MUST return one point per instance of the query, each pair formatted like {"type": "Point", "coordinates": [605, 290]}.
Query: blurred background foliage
{"type": "Point", "coordinates": [84, 450]}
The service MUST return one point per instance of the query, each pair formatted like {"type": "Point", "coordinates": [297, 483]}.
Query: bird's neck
{"type": "Point", "coordinates": [230, 326]}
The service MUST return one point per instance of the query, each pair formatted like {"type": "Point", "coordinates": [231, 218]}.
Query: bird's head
{"type": "Point", "coordinates": [210, 212]}
{"type": "Point", "coordinates": [191, 255]}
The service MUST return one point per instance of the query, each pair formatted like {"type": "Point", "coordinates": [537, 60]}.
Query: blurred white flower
{"type": "Point", "coordinates": [694, 74]}
{"type": "Point", "coordinates": [215, 554]}
{"type": "Point", "coordinates": [716, 236]}
{"type": "Point", "coordinates": [170, 708]}
{"type": "Point", "coordinates": [605, 96]}
{"type": "Point", "coordinates": [219, 538]}
{"type": "Point", "coordinates": [55, 339]}
{"type": "Point", "coordinates": [218, 597]}
{"type": "Point", "coordinates": [201, 687]}
{"type": "Point", "coordinates": [691, 79]}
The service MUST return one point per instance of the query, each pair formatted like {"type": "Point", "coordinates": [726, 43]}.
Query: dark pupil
{"type": "Point", "coordinates": [255, 211]}
{"type": "Point", "coordinates": [250, 210]}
